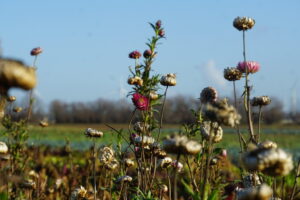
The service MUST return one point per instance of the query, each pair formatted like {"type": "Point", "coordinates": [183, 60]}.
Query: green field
{"type": "Point", "coordinates": [288, 137]}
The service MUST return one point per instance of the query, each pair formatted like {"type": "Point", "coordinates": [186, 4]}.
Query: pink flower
{"type": "Point", "coordinates": [36, 51]}
{"type": "Point", "coordinates": [135, 55]}
{"type": "Point", "coordinates": [141, 102]}
{"type": "Point", "coordinates": [252, 66]}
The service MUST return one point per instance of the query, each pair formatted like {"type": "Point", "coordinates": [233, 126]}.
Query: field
{"type": "Point", "coordinates": [286, 136]}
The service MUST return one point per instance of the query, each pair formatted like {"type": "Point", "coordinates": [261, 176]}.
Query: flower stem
{"type": "Point", "coordinates": [175, 177]}
{"type": "Point", "coordinates": [241, 139]}
{"type": "Point", "coordinates": [162, 113]}
{"type": "Point", "coordinates": [259, 123]}
{"type": "Point", "coordinates": [247, 93]}
{"type": "Point", "coordinates": [94, 169]}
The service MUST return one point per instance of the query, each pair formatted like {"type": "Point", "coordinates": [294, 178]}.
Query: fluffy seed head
{"type": "Point", "coordinates": [128, 162]}
{"type": "Point", "coordinates": [262, 192]}
{"type": "Point", "coordinates": [270, 161]}
{"type": "Point", "coordinates": [79, 193]}
{"type": "Point", "coordinates": [106, 155]}
{"type": "Point", "coordinates": [267, 144]}
{"type": "Point", "coordinates": [181, 144]}
{"type": "Point", "coordinates": [165, 162]}
{"type": "Point", "coordinates": [3, 148]}
{"type": "Point", "coordinates": [17, 109]}
{"type": "Point", "coordinates": [14, 73]}
{"type": "Point", "coordinates": [89, 132]}
{"type": "Point", "coordinates": [208, 95]}
{"type": "Point", "coordinates": [222, 113]}
{"type": "Point", "coordinates": [11, 98]}
{"type": "Point", "coordinates": [212, 129]}
{"type": "Point", "coordinates": [260, 101]}
{"type": "Point", "coordinates": [125, 179]}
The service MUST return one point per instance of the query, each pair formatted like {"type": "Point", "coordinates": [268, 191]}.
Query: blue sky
{"type": "Point", "coordinates": [86, 44]}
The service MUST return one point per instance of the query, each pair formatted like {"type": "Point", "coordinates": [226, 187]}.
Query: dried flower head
{"type": "Point", "coordinates": [147, 53]}
{"type": "Point", "coordinates": [3, 148]}
{"type": "Point", "coordinates": [270, 161]}
{"type": "Point", "coordinates": [181, 145]}
{"type": "Point", "coordinates": [144, 140]}
{"type": "Point", "coordinates": [36, 51]}
{"type": "Point", "coordinates": [128, 162]}
{"type": "Point", "coordinates": [164, 188]}
{"type": "Point", "coordinates": [44, 123]}
{"type": "Point", "coordinates": [11, 98]}
{"type": "Point", "coordinates": [106, 155]}
{"type": "Point", "coordinates": [232, 74]}
{"type": "Point", "coordinates": [262, 192]}
{"type": "Point", "coordinates": [267, 144]}
{"type": "Point", "coordinates": [135, 55]}
{"type": "Point", "coordinates": [243, 23]}
{"type": "Point", "coordinates": [89, 132]}
{"type": "Point", "coordinates": [208, 95]}
{"type": "Point", "coordinates": [160, 153]}
{"type": "Point", "coordinates": [112, 165]}
{"type": "Point", "coordinates": [260, 101]}
{"type": "Point", "coordinates": [212, 129]}
{"type": "Point", "coordinates": [125, 179]}
{"type": "Point", "coordinates": [17, 109]}
{"type": "Point", "coordinates": [135, 81]}
{"type": "Point", "coordinates": [222, 113]}
{"type": "Point", "coordinates": [14, 73]}
{"type": "Point", "coordinates": [141, 127]}
{"type": "Point", "coordinates": [168, 80]}
{"type": "Point", "coordinates": [141, 102]}
{"type": "Point", "coordinates": [153, 95]}
{"type": "Point", "coordinates": [178, 166]}
{"type": "Point", "coordinates": [248, 67]}
{"type": "Point", "coordinates": [251, 180]}
{"type": "Point", "coordinates": [79, 193]}
{"type": "Point", "coordinates": [164, 162]}
{"type": "Point", "coordinates": [33, 174]}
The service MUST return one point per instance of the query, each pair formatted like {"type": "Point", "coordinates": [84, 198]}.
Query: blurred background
{"type": "Point", "coordinates": [83, 70]}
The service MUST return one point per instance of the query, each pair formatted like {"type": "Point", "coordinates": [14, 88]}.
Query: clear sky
{"type": "Point", "coordinates": [86, 44]}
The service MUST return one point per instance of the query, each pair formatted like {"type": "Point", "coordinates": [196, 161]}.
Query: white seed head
{"type": "Point", "coordinates": [3, 148]}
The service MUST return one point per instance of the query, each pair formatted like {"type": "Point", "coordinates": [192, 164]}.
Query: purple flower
{"type": "Point", "coordinates": [36, 51]}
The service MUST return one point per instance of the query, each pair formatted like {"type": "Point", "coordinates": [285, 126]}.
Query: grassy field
{"type": "Point", "coordinates": [288, 137]}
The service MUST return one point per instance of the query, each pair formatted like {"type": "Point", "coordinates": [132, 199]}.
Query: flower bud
{"type": "Point", "coordinates": [161, 33]}
{"type": "Point", "coordinates": [158, 24]}
{"type": "Point", "coordinates": [36, 51]}
{"type": "Point", "coordinates": [168, 80]}
{"type": "Point", "coordinates": [147, 53]}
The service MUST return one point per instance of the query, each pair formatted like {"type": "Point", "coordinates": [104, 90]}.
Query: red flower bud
{"type": "Point", "coordinates": [135, 55]}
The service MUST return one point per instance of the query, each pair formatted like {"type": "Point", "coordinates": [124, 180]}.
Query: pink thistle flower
{"type": "Point", "coordinates": [141, 102]}
{"type": "Point", "coordinates": [36, 51]}
{"type": "Point", "coordinates": [135, 55]}
{"type": "Point", "coordinates": [252, 67]}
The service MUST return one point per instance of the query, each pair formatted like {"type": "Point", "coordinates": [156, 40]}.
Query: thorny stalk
{"type": "Point", "coordinates": [31, 95]}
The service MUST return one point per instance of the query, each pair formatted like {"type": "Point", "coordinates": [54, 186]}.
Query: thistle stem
{"type": "Point", "coordinates": [241, 139]}
{"type": "Point", "coordinates": [175, 178]}
{"type": "Point", "coordinates": [94, 169]}
{"type": "Point", "coordinates": [247, 93]}
{"type": "Point", "coordinates": [162, 113]}
{"type": "Point", "coordinates": [259, 123]}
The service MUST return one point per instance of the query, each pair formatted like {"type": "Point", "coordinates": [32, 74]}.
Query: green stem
{"type": "Point", "coordinates": [247, 93]}
{"type": "Point", "coordinates": [259, 123]}
{"type": "Point", "coordinates": [241, 139]}
{"type": "Point", "coordinates": [162, 113]}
